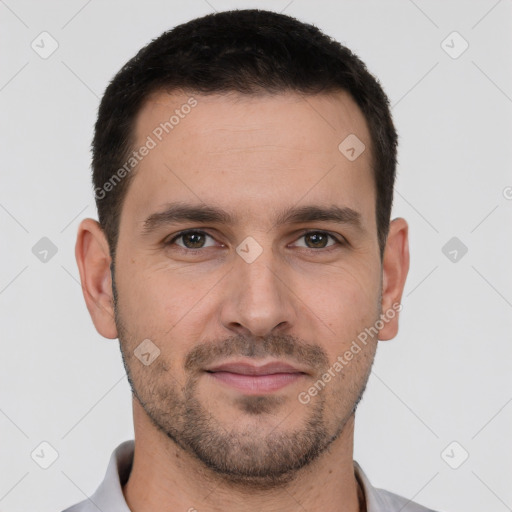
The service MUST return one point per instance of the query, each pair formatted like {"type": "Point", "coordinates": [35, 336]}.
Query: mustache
{"type": "Point", "coordinates": [277, 346]}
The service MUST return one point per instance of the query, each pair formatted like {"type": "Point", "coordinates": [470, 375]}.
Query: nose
{"type": "Point", "coordinates": [258, 300]}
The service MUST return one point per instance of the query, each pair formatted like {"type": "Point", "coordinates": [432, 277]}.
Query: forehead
{"type": "Point", "coordinates": [302, 122]}
{"type": "Point", "coordinates": [249, 152]}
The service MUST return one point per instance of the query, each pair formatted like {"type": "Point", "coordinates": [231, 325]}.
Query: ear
{"type": "Point", "coordinates": [395, 266]}
{"type": "Point", "coordinates": [93, 259]}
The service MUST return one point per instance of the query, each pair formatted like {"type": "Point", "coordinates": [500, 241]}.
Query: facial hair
{"type": "Point", "coordinates": [246, 456]}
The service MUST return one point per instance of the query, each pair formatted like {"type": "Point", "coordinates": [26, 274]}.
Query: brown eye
{"type": "Point", "coordinates": [319, 240]}
{"type": "Point", "coordinates": [191, 240]}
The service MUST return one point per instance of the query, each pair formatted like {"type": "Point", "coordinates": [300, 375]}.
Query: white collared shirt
{"type": "Point", "coordinates": [109, 495]}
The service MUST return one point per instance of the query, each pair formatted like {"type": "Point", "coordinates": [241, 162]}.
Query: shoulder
{"type": "Point", "coordinates": [109, 495]}
{"type": "Point", "coordinates": [395, 502]}
{"type": "Point", "coordinates": [84, 506]}
{"type": "Point", "coordinates": [381, 500]}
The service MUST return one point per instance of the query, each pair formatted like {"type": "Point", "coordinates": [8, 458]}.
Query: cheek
{"type": "Point", "coordinates": [160, 293]}
{"type": "Point", "coordinates": [166, 307]}
{"type": "Point", "coordinates": [345, 295]}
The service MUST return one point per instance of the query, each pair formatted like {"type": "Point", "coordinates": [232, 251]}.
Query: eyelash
{"type": "Point", "coordinates": [337, 244]}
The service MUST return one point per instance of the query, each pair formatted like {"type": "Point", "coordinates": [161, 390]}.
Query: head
{"type": "Point", "coordinates": [273, 147]}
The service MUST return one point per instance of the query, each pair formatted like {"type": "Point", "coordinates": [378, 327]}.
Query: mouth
{"type": "Point", "coordinates": [252, 379]}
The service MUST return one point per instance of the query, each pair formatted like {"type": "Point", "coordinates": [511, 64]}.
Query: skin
{"type": "Point", "coordinates": [199, 443]}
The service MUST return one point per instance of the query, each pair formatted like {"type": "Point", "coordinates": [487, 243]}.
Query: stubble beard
{"type": "Point", "coordinates": [248, 457]}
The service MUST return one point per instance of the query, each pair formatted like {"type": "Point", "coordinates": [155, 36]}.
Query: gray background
{"type": "Point", "coordinates": [447, 375]}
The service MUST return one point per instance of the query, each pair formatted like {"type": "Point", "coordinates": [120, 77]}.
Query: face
{"type": "Point", "coordinates": [248, 256]}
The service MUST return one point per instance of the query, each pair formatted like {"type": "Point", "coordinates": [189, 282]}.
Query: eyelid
{"type": "Point", "coordinates": [186, 232]}
{"type": "Point", "coordinates": [338, 239]}
{"type": "Point", "coordinates": [340, 242]}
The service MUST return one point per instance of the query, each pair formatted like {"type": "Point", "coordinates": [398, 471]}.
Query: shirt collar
{"type": "Point", "coordinates": [109, 495]}
{"type": "Point", "coordinates": [374, 500]}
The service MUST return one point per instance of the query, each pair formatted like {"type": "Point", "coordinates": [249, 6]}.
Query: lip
{"type": "Point", "coordinates": [252, 379]}
{"type": "Point", "coordinates": [245, 368]}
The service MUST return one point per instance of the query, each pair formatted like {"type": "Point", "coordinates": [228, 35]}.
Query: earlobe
{"type": "Point", "coordinates": [93, 259]}
{"type": "Point", "coordinates": [395, 266]}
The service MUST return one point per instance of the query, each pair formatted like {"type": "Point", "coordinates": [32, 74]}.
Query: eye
{"type": "Point", "coordinates": [191, 240]}
{"type": "Point", "coordinates": [319, 240]}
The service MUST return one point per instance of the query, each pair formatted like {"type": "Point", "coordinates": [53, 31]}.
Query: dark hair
{"type": "Point", "coordinates": [247, 51]}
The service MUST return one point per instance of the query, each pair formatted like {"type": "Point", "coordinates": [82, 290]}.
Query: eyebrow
{"type": "Point", "coordinates": [202, 213]}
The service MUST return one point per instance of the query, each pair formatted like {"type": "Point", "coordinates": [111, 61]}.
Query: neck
{"type": "Point", "coordinates": [165, 476]}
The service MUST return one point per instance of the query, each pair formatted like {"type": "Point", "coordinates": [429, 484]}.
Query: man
{"type": "Point", "coordinates": [243, 166]}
